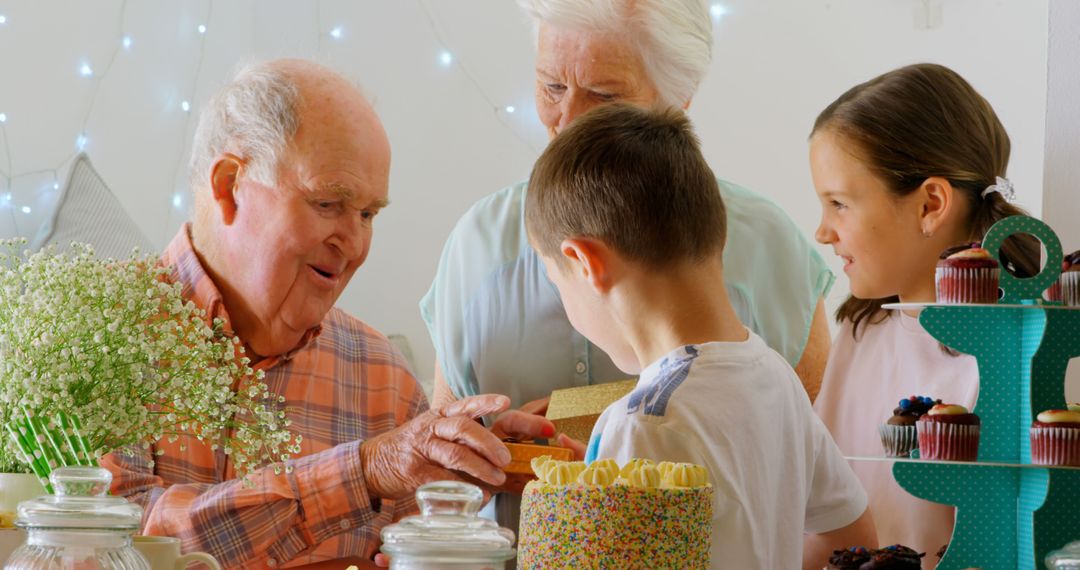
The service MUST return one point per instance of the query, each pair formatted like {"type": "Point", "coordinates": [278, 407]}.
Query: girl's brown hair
{"type": "Point", "coordinates": [920, 121]}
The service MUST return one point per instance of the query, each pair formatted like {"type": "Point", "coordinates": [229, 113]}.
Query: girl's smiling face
{"type": "Point", "coordinates": [878, 234]}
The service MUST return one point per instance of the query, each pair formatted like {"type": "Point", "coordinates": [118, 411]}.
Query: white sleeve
{"type": "Point", "coordinates": [836, 498]}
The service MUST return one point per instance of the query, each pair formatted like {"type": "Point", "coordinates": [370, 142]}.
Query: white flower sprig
{"type": "Point", "coordinates": [113, 349]}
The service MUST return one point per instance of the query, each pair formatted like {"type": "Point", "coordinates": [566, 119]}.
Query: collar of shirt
{"type": "Point", "coordinates": [200, 289]}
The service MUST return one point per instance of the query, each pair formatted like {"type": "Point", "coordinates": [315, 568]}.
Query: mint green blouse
{"type": "Point", "coordinates": [498, 324]}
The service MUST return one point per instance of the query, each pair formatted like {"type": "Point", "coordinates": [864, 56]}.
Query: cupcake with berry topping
{"type": "Point", "coordinates": [1055, 438]}
{"type": "Point", "coordinates": [967, 274]}
{"type": "Point", "coordinates": [948, 432]}
{"type": "Point", "coordinates": [898, 433]}
{"type": "Point", "coordinates": [895, 557]}
{"type": "Point", "coordinates": [1068, 283]}
{"type": "Point", "coordinates": [848, 559]}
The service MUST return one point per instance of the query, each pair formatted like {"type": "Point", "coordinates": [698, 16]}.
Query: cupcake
{"type": "Point", "coordinates": [895, 557]}
{"type": "Point", "coordinates": [848, 559]}
{"type": "Point", "coordinates": [1069, 281]}
{"type": "Point", "coordinates": [948, 432]}
{"type": "Point", "coordinates": [898, 434]}
{"type": "Point", "coordinates": [967, 274]}
{"type": "Point", "coordinates": [1055, 438]}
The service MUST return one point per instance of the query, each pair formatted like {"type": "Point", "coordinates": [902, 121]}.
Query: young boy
{"type": "Point", "coordinates": [629, 223]}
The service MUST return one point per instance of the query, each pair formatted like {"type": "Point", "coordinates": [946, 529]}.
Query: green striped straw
{"type": "Point", "coordinates": [43, 442]}
{"type": "Point", "coordinates": [31, 454]}
{"type": "Point", "coordinates": [73, 427]}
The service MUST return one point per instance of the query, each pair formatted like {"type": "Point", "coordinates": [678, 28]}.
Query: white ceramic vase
{"type": "Point", "coordinates": [14, 489]}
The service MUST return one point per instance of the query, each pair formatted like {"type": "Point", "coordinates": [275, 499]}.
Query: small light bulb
{"type": "Point", "coordinates": [3, 19]}
{"type": "Point", "coordinates": [202, 28]}
{"type": "Point", "coordinates": [336, 33]}
{"type": "Point", "coordinates": [126, 42]}
{"type": "Point", "coordinates": [85, 70]}
{"type": "Point", "coordinates": [26, 209]}
{"type": "Point", "coordinates": [510, 109]}
{"type": "Point", "coordinates": [185, 106]}
{"type": "Point", "coordinates": [718, 11]}
{"type": "Point", "coordinates": [3, 117]}
{"type": "Point", "coordinates": [177, 200]}
{"type": "Point", "coordinates": [81, 142]}
{"type": "Point", "coordinates": [5, 198]}
{"type": "Point", "coordinates": [55, 185]}
{"type": "Point", "coordinates": [446, 58]}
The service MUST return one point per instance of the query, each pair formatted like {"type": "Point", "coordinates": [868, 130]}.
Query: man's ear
{"type": "Point", "coordinates": [939, 204]}
{"type": "Point", "coordinates": [590, 260]}
{"type": "Point", "coordinates": [224, 176]}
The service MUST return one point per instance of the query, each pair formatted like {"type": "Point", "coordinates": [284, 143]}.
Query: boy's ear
{"type": "Point", "coordinates": [590, 260]}
{"type": "Point", "coordinates": [939, 202]}
{"type": "Point", "coordinates": [224, 176]}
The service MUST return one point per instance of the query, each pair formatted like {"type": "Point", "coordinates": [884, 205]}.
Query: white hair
{"type": "Point", "coordinates": [255, 117]}
{"type": "Point", "coordinates": [674, 37]}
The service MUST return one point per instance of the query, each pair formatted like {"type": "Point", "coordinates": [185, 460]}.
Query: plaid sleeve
{"type": "Point", "coordinates": [263, 521]}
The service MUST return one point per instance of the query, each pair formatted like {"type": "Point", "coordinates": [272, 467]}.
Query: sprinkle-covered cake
{"type": "Point", "coordinates": [642, 515]}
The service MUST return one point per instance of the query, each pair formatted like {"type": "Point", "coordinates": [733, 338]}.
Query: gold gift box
{"type": "Point", "coordinates": [574, 411]}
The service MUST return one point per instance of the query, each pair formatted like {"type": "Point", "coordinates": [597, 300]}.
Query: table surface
{"type": "Point", "coordinates": [340, 564]}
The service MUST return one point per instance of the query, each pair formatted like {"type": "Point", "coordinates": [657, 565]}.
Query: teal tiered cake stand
{"type": "Point", "coordinates": [1009, 513]}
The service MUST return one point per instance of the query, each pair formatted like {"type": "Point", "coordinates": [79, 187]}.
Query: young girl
{"type": "Point", "coordinates": [905, 165]}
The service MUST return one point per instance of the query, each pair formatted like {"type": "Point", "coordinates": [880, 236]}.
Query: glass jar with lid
{"type": "Point", "coordinates": [79, 527]}
{"type": "Point", "coordinates": [447, 534]}
{"type": "Point", "coordinates": [1068, 558]}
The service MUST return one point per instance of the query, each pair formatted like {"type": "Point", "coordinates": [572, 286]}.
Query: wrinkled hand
{"type": "Point", "coordinates": [436, 445]}
{"type": "Point", "coordinates": [525, 423]}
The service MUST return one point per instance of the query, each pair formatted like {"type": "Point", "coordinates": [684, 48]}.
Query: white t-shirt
{"type": "Point", "coordinates": [738, 409]}
{"type": "Point", "coordinates": [864, 381]}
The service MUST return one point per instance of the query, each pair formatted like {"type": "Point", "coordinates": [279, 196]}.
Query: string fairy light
{"type": "Point", "coordinates": [82, 140]}
{"type": "Point", "coordinates": [97, 73]}
{"type": "Point", "coordinates": [446, 58]}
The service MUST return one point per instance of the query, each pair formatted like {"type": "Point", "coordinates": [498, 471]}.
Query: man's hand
{"type": "Point", "coordinates": [435, 445]}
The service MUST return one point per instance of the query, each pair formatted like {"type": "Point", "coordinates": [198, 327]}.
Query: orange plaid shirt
{"type": "Point", "coordinates": [344, 383]}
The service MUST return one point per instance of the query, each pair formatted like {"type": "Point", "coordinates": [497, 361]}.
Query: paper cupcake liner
{"type": "Point", "coordinates": [898, 441]}
{"type": "Point", "coordinates": [1070, 288]}
{"type": "Point", "coordinates": [948, 442]}
{"type": "Point", "coordinates": [1055, 446]}
{"type": "Point", "coordinates": [967, 285]}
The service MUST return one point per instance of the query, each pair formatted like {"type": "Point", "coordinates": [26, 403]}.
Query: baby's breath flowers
{"type": "Point", "coordinates": [103, 355]}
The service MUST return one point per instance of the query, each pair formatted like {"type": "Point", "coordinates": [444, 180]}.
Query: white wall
{"type": "Point", "coordinates": [1060, 200]}
{"type": "Point", "coordinates": [777, 64]}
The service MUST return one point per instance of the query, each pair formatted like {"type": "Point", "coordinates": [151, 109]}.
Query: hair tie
{"type": "Point", "coordinates": [1002, 186]}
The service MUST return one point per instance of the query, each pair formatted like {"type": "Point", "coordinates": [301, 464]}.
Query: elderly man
{"type": "Point", "coordinates": [290, 167]}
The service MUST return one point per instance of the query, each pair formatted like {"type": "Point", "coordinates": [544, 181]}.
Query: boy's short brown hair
{"type": "Point", "coordinates": [632, 178]}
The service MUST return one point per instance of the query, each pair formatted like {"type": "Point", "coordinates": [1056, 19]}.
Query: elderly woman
{"type": "Point", "coordinates": [498, 324]}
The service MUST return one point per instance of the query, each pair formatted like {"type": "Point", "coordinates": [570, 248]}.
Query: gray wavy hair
{"type": "Point", "coordinates": [674, 37]}
{"type": "Point", "coordinates": [255, 117]}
